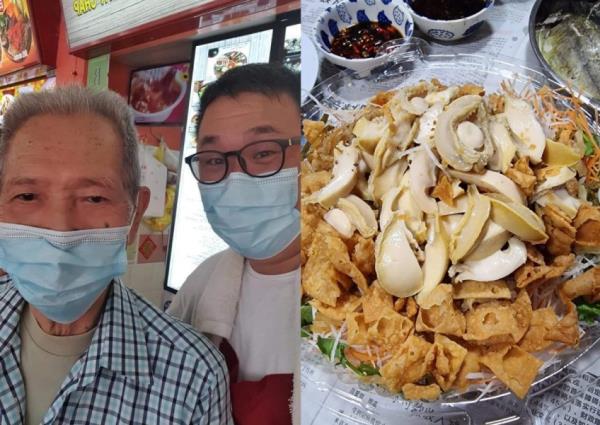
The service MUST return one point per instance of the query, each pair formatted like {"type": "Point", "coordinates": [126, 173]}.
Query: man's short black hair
{"type": "Point", "coordinates": [269, 79]}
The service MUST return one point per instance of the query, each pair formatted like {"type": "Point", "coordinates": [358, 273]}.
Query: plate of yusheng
{"type": "Point", "coordinates": [450, 228]}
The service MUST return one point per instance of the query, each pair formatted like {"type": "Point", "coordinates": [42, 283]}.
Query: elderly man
{"type": "Point", "coordinates": [76, 346]}
{"type": "Point", "coordinates": [247, 297]}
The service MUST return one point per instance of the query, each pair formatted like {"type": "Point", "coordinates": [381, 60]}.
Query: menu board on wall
{"type": "Point", "coordinates": [88, 21]}
{"type": "Point", "coordinates": [17, 37]}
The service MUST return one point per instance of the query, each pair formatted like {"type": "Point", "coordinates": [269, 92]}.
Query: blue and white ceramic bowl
{"type": "Point", "coordinates": [352, 12]}
{"type": "Point", "coordinates": [450, 30]}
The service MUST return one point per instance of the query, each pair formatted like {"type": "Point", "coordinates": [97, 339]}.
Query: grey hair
{"type": "Point", "coordinates": [67, 100]}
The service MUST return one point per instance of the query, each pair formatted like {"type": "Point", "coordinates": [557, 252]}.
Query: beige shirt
{"type": "Point", "coordinates": [45, 363]}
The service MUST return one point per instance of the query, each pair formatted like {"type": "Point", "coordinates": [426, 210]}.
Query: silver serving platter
{"type": "Point", "coordinates": [540, 11]}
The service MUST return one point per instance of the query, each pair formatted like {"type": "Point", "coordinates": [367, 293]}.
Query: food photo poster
{"type": "Point", "coordinates": [157, 95]}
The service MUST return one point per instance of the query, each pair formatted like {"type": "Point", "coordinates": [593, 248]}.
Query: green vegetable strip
{"type": "Point", "coordinates": [326, 346]}
{"type": "Point", "coordinates": [588, 312]}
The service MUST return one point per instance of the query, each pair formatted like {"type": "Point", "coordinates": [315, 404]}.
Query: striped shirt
{"type": "Point", "coordinates": [142, 367]}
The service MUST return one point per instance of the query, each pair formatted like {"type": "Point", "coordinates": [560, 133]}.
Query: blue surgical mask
{"type": "Point", "coordinates": [256, 217]}
{"type": "Point", "coordinates": [61, 274]}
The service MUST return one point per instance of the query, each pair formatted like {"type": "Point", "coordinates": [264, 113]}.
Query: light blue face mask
{"type": "Point", "coordinates": [62, 273]}
{"type": "Point", "coordinates": [256, 217]}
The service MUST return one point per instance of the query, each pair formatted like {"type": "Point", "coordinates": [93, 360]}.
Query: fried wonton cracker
{"type": "Point", "coordinates": [560, 265]}
{"type": "Point", "coordinates": [535, 256]}
{"type": "Point", "coordinates": [375, 302]}
{"type": "Point", "coordinates": [321, 277]}
{"type": "Point", "coordinates": [470, 365]}
{"type": "Point", "coordinates": [444, 318]}
{"type": "Point", "coordinates": [323, 324]}
{"type": "Point", "coordinates": [313, 182]}
{"type": "Point", "coordinates": [586, 284]}
{"type": "Point", "coordinates": [496, 103]}
{"type": "Point", "coordinates": [356, 329]}
{"type": "Point", "coordinates": [311, 223]}
{"type": "Point", "coordinates": [421, 392]}
{"type": "Point", "coordinates": [496, 289]}
{"type": "Point", "coordinates": [323, 144]}
{"type": "Point", "coordinates": [337, 253]}
{"type": "Point", "coordinates": [565, 137]}
{"type": "Point", "coordinates": [382, 97]}
{"type": "Point", "coordinates": [438, 85]}
{"type": "Point", "coordinates": [587, 223]}
{"type": "Point", "coordinates": [513, 366]}
{"type": "Point", "coordinates": [560, 231]}
{"type": "Point", "coordinates": [467, 89]}
{"type": "Point", "coordinates": [390, 330]}
{"type": "Point", "coordinates": [313, 131]}
{"type": "Point", "coordinates": [408, 365]}
{"type": "Point", "coordinates": [567, 329]}
{"type": "Point", "coordinates": [399, 304]}
{"type": "Point", "coordinates": [529, 273]}
{"type": "Point", "coordinates": [449, 357]}
{"type": "Point", "coordinates": [499, 321]}
{"type": "Point", "coordinates": [523, 175]}
{"type": "Point", "coordinates": [347, 303]}
{"type": "Point", "coordinates": [542, 321]}
{"type": "Point", "coordinates": [411, 308]}
{"type": "Point", "coordinates": [443, 190]}
{"type": "Point", "coordinates": [363, 254]}
{"type": "Point", "coordinates": [320, 280]}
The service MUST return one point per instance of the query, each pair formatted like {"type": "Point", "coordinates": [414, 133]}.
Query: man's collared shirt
{"type": "Point", "coordinates": [142, 367]}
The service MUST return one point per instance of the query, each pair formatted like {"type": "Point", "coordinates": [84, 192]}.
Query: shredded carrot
{"type": "Point", "coordinates": [363, 357]}
{"type": "Point", "coordinates": [571, 120]}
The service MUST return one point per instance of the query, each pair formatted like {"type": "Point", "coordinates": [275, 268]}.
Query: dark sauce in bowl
{"type": "Point", "coordinates": [447, 10]}
{"type": "Point", "coordinates": [362, 40]}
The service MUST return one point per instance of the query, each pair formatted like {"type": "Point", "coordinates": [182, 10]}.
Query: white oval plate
{"type": "Point", "coordinates": [309, 66]}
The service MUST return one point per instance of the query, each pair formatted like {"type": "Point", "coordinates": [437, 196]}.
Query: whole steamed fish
{"type": "Point", "coordinates": [570, 43]}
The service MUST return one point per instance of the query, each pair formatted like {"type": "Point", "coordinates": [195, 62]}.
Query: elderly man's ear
{"type": "Point", "coordinates": [143, 199]}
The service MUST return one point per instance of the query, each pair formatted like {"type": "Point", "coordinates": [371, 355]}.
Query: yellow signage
{"type": "Point", "coordinates": [83, 6]}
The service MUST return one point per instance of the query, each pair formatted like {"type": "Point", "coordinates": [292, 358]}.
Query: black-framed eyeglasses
{"type": "Point", "coordinates": [257, 159]}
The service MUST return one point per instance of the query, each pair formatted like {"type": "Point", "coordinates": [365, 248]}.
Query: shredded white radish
{"type": "Point", "coordinates": [479, 375]}
{"type": "Point", "coordinates": [370, 356]}
{"type": "Point", "coordinates": [582, 264]}
{"type": "Point", "coordinates": [337, 341]}
{"type": "Point", "coordinates": [409, 151]}
{"type": "Point", "coordinates": [434, 159]}
{"type": "Point", "coordinates": [386, 357]}
{"type": "Point", "coordinates": [488, 388]}
{"type": "Point", "coordinates": [360, 348]}
{"type": "Point", "coordinates": [379, 361]}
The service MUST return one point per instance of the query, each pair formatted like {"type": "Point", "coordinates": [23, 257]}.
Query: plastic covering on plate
{"type": "Point", "coordinates": [568, 392]}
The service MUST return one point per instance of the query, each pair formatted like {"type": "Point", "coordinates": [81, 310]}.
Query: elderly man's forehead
{"type": "Point", "coordinates": [70, 123]}
{"type": "Point", "coordinates": [78, 132]}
